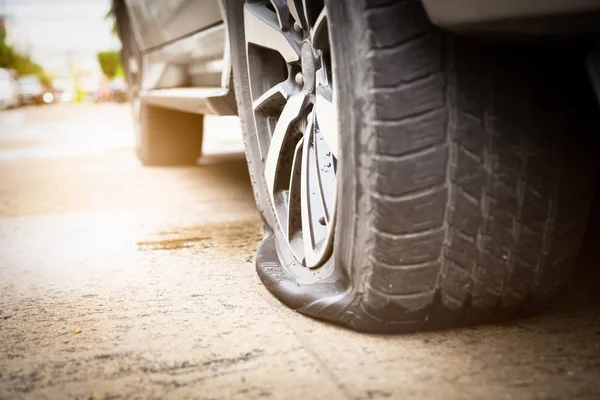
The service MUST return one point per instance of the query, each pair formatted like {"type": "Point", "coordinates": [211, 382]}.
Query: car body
{"type": "Point", "coordinates": [9, 90]}
{"type": "Point", "coordinates": [534, 17]}
{"type": "Point", "coordinates": [31, 90]}
{"type": "Point", "coordinates": [64, 89]}
{"type": "Point", "coordinates": [395, 147]}
{"type": "Point", "coordinates": [184, 43]}
{"type": "Point", "coordinates": [184, 56]}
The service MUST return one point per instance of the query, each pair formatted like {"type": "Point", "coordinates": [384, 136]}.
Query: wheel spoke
{"type": "Point", "coordinates": [318, 33]}
{"type": "Point", "coordinates": [314, 229]}
{"type": "Point", "coordinates": [294, 189]}
{"type": "Point", "coordinates": [327, 117]}
{"type": "Point", "coordinates": [262, 29]}
{"type": "Point", "coordinates": [273, 99]}
{"type": "Point", "coordinates": [294, 217]}
{"type": "Point", "coordinates": [291, 112]}
{"type": "Point", "coordinates": [278, 93]}
{"type": "Point", "coordinates": [296, 10]}
{"type": "Point", "coordinates": [305, 13]}
{"type": "Point", "coordinates": [283, 13]}
{"type": "Point", "coordinates": [325, 174]}
{"type": "Point", "coordinates": [307, 233]}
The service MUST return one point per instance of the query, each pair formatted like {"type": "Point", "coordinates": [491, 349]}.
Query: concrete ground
{"type": "Point", "coordinates": [124, 282]}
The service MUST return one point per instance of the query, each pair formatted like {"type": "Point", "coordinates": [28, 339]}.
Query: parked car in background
{"type": "Point", "coordinates": [31, 90]}
{"type": "Point", "coordinates": [9, 90]}
{"type": "Point", "coordinates": [114, 90]}
{"type": "Point", "coordinates": [118, 88]}
{"type": "Point", "coordinates": [418, 164]}
{"type": "Point", "coordinates": [64, 89]}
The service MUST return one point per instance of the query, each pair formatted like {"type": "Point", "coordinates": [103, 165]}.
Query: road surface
{"type": "Point", "coordinates": [124, 282]}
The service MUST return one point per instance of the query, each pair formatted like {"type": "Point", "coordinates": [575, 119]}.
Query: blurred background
{"type": "Point", "coordinates": [66, 54]}
{"type": "Point", "coordinates": [59, 51]}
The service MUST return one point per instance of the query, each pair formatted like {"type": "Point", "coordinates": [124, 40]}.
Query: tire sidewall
{"type": "Point", "coordinates": [348, 33]}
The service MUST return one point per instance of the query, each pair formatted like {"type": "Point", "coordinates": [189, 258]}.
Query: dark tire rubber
{"type": "Point", "coordinates": [466, 178]}
{"type": "Point", "coordinates": [169, 137]}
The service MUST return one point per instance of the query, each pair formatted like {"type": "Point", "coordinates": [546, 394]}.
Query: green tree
{"type": "Point", "coordinates": [12, 59]}
{"type": "Point", "coordinates": [110, 16]}
{"type": "Point", "coordinates": [110, 63]}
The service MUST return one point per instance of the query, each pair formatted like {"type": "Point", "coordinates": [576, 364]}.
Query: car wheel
{"type": "Point", "coordinates": [409, 179]}
{"type": "Point", "coordinates": [167, 137]}
{"type": "Point", "coordinates": [163, 136]}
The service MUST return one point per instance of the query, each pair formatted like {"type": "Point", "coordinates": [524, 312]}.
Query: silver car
{"type": "Point", "coordinates": [419, 164]}
{"type": "Point", "coordinates": [31, 90]}
{"type": "Point", "coordinates": [9, 90]}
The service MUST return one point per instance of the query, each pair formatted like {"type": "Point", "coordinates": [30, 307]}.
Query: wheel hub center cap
{"type": "Point", "coordinates": [309, 66]}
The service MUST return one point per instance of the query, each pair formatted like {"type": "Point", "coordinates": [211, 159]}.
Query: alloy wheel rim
{"type": "Point", "coordinates": [293, 101]}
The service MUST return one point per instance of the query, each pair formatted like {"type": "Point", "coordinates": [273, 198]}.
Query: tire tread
{"type": "Point", "coordinates": [472, 218]}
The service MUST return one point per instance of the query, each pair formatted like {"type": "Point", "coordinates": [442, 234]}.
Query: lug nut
{"type": "Point", "coordinates": [299, 78]}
